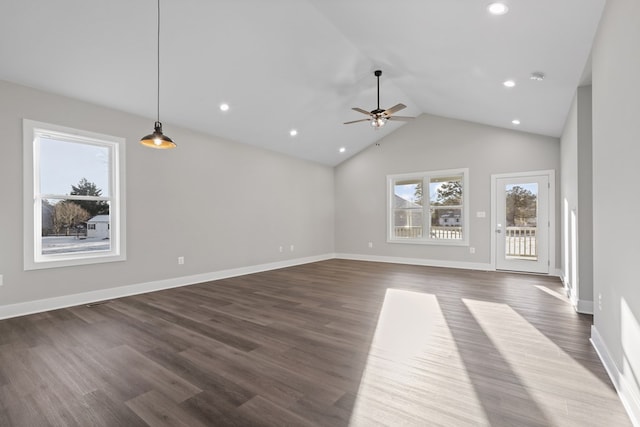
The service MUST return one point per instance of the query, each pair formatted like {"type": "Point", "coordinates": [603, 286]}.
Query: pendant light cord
{"type": "Point", "coordinates": [158, 57]}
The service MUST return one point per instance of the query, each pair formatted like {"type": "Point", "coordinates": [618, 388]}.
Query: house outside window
{"type": "Point", "coordinates": [428, 207]}
{"type": "Point", "coordinates": [73, 196]}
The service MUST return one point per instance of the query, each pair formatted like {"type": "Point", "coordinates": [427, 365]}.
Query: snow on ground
{"type": "Point", "coordinates": [66, 244]}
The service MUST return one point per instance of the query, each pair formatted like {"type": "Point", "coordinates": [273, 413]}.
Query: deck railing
{"type": "Point", "coordinates": [407, 232]}
{"type": "Point", "coordinates": [436, 232]}
{"type": "Point", "coordinates": [521, 242]}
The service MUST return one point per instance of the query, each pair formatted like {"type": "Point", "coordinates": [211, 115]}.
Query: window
{"type": "Point", "coordinates": [428, 207]}
{"type": "Point", "coordinates": [73, 196]}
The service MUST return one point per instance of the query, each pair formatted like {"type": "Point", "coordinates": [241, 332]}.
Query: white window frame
{"type": "Point", "coordinates": [426, 215]}
{"type": "Point", "coordinates": [33, 257]}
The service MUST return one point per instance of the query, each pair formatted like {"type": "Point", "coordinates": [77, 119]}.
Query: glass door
{"type": "Point", "coordinates": [522, 223]}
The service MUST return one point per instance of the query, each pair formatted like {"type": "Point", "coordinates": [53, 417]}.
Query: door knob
{"type": "Point", "coordinates": [498, 230]}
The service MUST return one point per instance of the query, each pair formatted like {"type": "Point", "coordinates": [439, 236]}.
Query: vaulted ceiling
{"type": "Point", "coordinates": [303, 64]}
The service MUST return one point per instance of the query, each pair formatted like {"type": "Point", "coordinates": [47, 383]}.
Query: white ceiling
{"type": "Point", "coordinates": [303, 64]}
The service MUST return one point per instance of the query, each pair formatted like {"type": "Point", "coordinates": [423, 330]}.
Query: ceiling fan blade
{"type": "Point", "coordinates": [360, 110]}
{"type": "Point", "coordinates": [379, 116]}
{"type": "Point", "coordinates": [356, 121]}
{"type": "Point", "coordinates": [395, 108]}
{"type": "Point", "coordinates": [401, 118]}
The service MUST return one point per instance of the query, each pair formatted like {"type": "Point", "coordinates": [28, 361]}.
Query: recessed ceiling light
{"type": "Point", "coordinates": [497, 8]}
{"type": "Point", "coordinates": [342, 149]}
{"type": "Point", "coordinates": [293, 132]}
{"type": "Point", "coordinates": [537, 76]}
{"type": "Point", "coordinates": [515, 122]}
{"type": "Point", "coordinates": [224, 107]}
{"type": "Point", "coordinates": [509, 83]}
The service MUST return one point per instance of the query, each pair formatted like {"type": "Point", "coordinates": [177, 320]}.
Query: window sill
{"type": "Point", "coordinates": [66, 261]}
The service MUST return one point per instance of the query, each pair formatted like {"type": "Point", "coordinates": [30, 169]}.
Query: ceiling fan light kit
{"type": "Point", "coordinates": [379, 122]}
{"type": "Point", "coordinates": [378, 117]}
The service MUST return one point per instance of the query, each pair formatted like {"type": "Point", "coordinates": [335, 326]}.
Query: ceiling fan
{"type": "Point", "coordinates": [379, 117]}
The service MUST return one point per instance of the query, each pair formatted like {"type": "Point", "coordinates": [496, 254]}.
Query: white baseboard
{"type": "Point", "coordinates": [38, 306]}
{"type": "Point", "coordinates": [579, 305]}
{"type": "Point", "coordinates": [565, 282]}
{"type": "Point", "coordinates": [584, 306]}
{"type": "Point", "coordinates": [418, 261]}
{"type": "Point", "coordinates": [629, 398]}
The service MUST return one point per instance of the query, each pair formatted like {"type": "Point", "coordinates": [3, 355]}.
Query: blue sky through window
{"type": "Point", "coordinates": [406, 191]}
{"type": "Point", "coordinates": [64, 163]}
{"type": "Point", "coordinates": [533, 187]}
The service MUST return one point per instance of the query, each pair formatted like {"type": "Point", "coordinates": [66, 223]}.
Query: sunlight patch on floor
{"type": "Point", "coordinates": [551, 377]}
{"type": "Point", "coordinates": [413, 368]}
{"type": "Point", "coordinates": [553, 293]}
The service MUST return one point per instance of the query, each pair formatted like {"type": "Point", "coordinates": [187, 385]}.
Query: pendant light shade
{"type": "Point", "coordinates": [157, 139]}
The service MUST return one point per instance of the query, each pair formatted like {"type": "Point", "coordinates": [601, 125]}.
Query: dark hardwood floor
{"type": "Point", "coordinates": [332, 343]}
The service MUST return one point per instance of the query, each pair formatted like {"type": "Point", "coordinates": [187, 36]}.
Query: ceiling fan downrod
{"type": "Point", "coordinates": [378, 73]}
{"type": "Point", "coordinates": [378, 117]}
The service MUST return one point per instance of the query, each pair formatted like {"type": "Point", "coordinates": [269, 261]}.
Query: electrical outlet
{"type": "Point", "coordinates": [472, 250]}
{"type": "Point", "coordinates": [1, 281]}
{"type": "Point", "coordinates": [481, 214]}
{"type": "Point", "coordinates": [600, 302]}
{"type": "Point", "coordinates": [370, 244]}
{"type": "Point", "coordinates": [281, 249]}
{"type": "Point", "coordinates": [180, 260]}
{"type": "Point", "coordinates": [291, 248]}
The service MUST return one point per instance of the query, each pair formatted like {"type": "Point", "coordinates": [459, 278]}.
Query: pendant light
{"type": "Point", "coordinates": [157, 139]}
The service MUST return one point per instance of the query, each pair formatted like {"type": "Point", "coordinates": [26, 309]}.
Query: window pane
{"type": "Point", "coordinates": [522, 205]}
{"type": "Point", "coordinates": [407, 212]}
{"type": "Point", "coordinates": [445, 191]}
{"type": "Point", "coordinates": [446, 223]}
{"type": "Point", "coordinates": [445, 196]}
{"type": "Point", "coordinates": [65, 165]}
{"type": "Point", "coordinates": [69, 228]}
{"type": "Point", "coordinates": [522, 221]}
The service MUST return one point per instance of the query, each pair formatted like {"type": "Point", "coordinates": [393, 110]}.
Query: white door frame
{"type": "Point", "coordinates": [552, 213]}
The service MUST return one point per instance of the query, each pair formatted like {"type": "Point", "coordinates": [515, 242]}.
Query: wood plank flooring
{"type": "Point", "coordinates": [333, 343]}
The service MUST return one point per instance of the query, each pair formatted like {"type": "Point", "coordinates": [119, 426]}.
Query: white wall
{"type": "Point", "coordinates": [432, 143]}
{"type": "Point", "coordinates": [616, 156]}
{"type": "Point", "coordinates": [220, 204]}
{"type": "Point", "coordinates": [576, 202]}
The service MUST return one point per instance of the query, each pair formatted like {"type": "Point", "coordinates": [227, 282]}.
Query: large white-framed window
{"type": "Point", "coordinates": [73, 196]}
{"type": "Point", "coordinates": [428, 207]}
